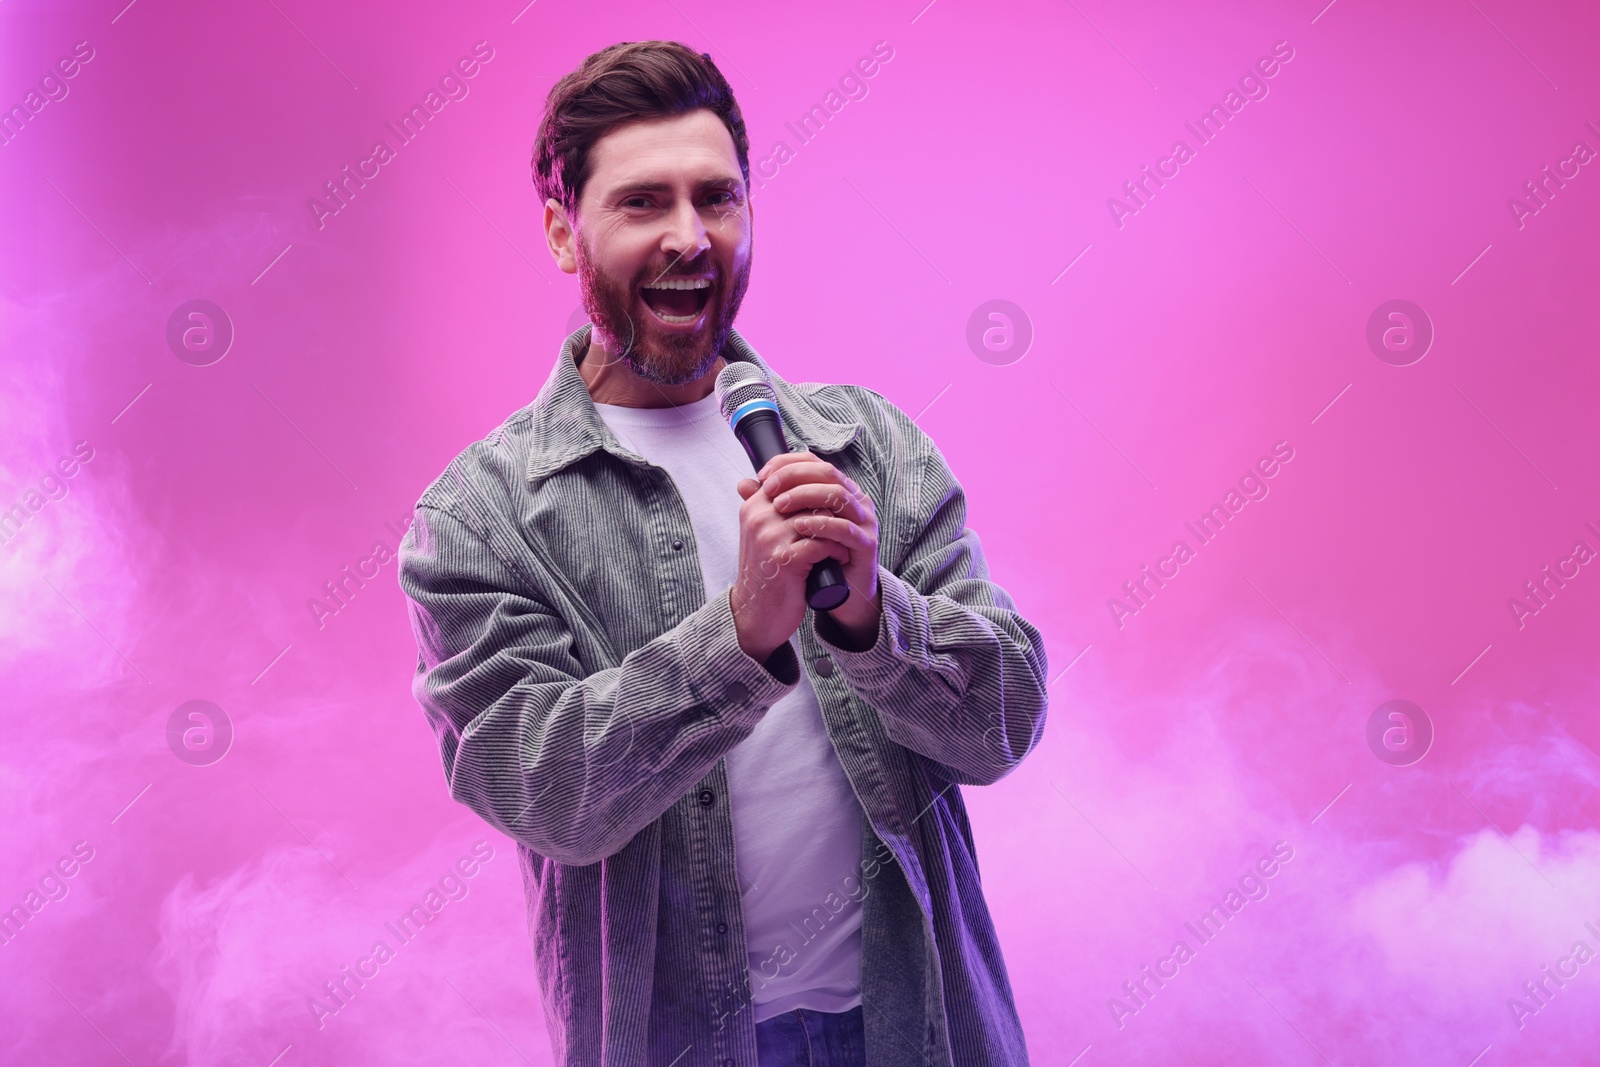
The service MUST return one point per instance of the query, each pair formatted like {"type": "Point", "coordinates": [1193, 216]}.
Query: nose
{"type": "Point", "coordinates": [686, 235]}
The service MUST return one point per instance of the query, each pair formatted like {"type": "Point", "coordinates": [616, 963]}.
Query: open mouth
{"type": "Point", "coordinates": [677, 301]}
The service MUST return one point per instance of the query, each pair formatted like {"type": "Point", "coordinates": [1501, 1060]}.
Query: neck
{"type": "Point", "coordinates": [611, 381]}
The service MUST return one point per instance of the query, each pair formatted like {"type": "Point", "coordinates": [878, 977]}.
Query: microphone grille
{"type": "Point", "coordinates": [739, 383]}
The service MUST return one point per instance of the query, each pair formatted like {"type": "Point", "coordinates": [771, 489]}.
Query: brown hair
{"type": "Point", "coordinates": [624, 83]}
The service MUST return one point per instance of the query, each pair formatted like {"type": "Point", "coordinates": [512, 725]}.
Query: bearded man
{"type": "Point", "coordinates": [736, 851]}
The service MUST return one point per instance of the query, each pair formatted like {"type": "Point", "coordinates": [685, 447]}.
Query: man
{"type": "Point", "coordinates": [733, 853]}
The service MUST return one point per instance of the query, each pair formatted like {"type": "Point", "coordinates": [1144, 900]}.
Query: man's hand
{"type": "Point", "coordinates": [800, 509]}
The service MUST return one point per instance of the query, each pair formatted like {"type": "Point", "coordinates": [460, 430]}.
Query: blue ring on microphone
{"type": "Point", "coordinates": [752, 405]}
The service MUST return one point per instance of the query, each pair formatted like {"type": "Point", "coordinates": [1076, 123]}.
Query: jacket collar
{"type": "Point", "coordinates": [564, 426]}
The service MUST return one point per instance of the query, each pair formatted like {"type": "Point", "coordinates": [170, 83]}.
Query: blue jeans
{"type": "Point", "coordinates": [807, 1038]}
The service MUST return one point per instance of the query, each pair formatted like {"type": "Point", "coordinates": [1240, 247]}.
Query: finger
{"type": "Point", "coordinates": [829, 497]}
{"type": "Point", "coordinates": [812, 471]}
{"type": "Point", "coordinates": [781, 460]}
{"type": "Point", "coordinates": [840, 531]}
{"type": "Point", "coordinates": [804, 472]}
{"type": "Point", "coordinates": [807, 551]}
{"type": "Point", "coordinates": [746, 487]}
{"type": "Point", "coordinates": [850, 512]}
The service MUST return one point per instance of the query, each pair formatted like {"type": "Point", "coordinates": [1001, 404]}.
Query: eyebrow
{"type": "Point", "coordinates": [647, 186]}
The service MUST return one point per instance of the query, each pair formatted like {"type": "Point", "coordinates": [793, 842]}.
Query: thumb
{"type": "Point", "coordinates": [746, 487]}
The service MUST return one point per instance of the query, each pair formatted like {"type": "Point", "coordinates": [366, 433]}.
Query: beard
{"type": "Point", "coordinates": [632, 333]}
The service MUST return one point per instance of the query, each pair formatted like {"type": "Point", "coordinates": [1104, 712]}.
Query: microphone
{"type": "Point", "coordinates": [751, 408]}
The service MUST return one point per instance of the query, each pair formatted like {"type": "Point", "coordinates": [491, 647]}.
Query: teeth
{"type": "Point", "coordinates": [680, 283]}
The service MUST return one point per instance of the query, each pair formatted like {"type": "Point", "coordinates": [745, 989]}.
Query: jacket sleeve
{"type": "Point", "coordinates": [955, 673]}
{"type": "Point", "coordinates": [572, 765]}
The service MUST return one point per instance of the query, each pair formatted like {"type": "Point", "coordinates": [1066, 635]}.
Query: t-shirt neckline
{"type": "Point", "coordinates": [673, 415]}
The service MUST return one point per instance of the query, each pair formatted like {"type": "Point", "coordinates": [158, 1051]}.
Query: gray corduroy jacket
{"type": "Point", "coordinates": [584, 687]}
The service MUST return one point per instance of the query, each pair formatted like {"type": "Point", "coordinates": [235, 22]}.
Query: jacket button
{"type": "Point", "coordinates": [824, 666]}
{"type": "Point", "coordinates": [707, 798]}
{"type": "Point", "coordinates": [904, 642]}
{"type": "Point", "coordinates": [722, 928]}
{"type": "Point", "coordinates": [677, 546]}
{"type": "Point", "coordinates": [735, 693]}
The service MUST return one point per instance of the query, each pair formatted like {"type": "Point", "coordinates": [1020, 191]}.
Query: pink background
{"type": "Point", "coordinates": [1227, 314]}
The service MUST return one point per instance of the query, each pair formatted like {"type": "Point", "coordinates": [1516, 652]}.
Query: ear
{"type": "Point", "coordinates": [560, 236]}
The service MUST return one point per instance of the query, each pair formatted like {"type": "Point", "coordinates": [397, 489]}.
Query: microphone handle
{"type": "Point", "coordinates": [826, 588]}
{"type": "Point", "coordinates": [762, 436]}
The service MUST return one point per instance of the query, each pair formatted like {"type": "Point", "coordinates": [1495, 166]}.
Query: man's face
{"type": "Point", "coordinates": [663, 244]}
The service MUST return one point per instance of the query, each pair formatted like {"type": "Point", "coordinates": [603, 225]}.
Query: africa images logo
{"type": "Point", "coordinates": [1253, 485]}
{"type": "Point", "coordinates": [453, 86]}
{"type": "Point", "coordinates": [1252, 87]}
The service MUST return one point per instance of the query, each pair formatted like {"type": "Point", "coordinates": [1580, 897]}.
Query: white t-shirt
{"type": "Point", "coordinates": [796, 819]}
